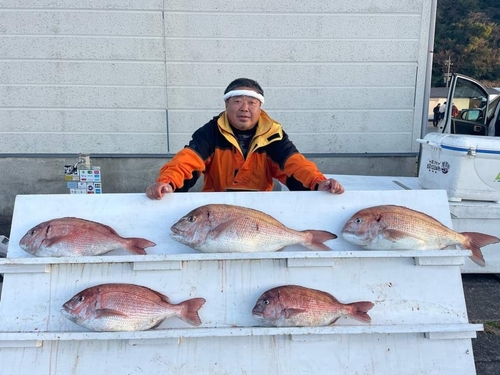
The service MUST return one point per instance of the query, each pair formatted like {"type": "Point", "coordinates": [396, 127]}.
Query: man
{"type": "Point", "coordinates": [242, 149]}
{"type": "Point", "coordinates": [435, 119]}
{"type": "Point", "coordinates": [442, 111]}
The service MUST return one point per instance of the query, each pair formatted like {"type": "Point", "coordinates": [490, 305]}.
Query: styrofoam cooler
{"type": "Point", "coordinates": [466, 166]}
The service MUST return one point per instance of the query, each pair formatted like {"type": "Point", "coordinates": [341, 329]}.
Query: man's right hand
{"type": "Point", "coordinates": [158, 190]}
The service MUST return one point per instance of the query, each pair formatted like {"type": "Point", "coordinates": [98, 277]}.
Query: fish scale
{"type": "Point", "coordinates": [127, 307]}
{"type": "Point", "coordinates": [391, 227]}
{"type": "Point", "coordinates": [71, 236]}
{"type": "Point", "coordinates": [298, 306]}
{"type": "Point", "coordinates": [230, 228]}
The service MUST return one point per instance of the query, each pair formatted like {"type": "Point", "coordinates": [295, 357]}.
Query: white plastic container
{"type": "Point", "coordinates": [466, 166]}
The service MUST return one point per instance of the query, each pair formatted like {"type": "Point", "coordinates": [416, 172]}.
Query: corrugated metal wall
{"type": "Point", "coordinates": [82, 75]}
{"type": "Point", "coordinates": [138, 77]}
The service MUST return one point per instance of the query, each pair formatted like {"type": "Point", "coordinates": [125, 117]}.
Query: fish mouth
{"type": "Point", "coordinates": [178, 237]}
{"type": "Point", "coordinates": [354, 238]}
{"type": "Point", "coordinates": [67, 313]}
{"type": "Point", "coordinates": [176, 230]}
{"type": "Point", "coordinates": [257, 313]}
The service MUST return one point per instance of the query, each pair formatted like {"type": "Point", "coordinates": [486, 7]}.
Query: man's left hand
{"type": "Point", "coordinates": [331, 185]}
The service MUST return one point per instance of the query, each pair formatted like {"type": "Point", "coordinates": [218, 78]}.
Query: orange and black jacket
{"type": "Point", "coordinates": [215, 152]}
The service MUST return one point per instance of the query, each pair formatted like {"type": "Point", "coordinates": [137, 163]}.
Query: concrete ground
{"type": "Point", "coordinates": [482, 296]}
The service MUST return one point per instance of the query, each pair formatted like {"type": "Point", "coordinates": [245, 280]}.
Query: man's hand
{"type": "Point", "coordinates": [158, 190]}
{"type": "Point", "coordinates": [331, 185]}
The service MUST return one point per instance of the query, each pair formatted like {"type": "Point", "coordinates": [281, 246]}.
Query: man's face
{"type": "Point", "coordinates": [243, 112]}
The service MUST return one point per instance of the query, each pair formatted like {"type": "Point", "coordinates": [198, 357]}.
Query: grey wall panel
{"type": "Point", "coordinates": [83, 4]}
{"type": "Point", "coordinates": [293, 26]}
{"type": "Point", "coordinates": [348, 121]}
{"type": "Point", "coordinates": [341, 121]}
{"type": "Point", "coordinates": [301, 98]}
{"type": "Point", "coordinates": [81, 48]}
{"type": "Point", "coordinates": [82, 120]}
{"type": "Point", "coordinates": [81, 23]}
{"type": "Point", "coordinates": [82, 73]}
{"type": "Point", "coordinates": [296, 6]}
{"type": "Point", "coordinates": [74, 143]}
{"type": "Point", "coordinates": [82, 97]}
{"type": "Point", "coordinates": [338, 143]}
{"type": "Point", "coordinates": [283, 74]}
{"type": "Point", "coordinates": [353, 143]}
{"type": "Point", "coordinates": [335, 69]}
{"type": "Point", "coordinates": [279, 50]}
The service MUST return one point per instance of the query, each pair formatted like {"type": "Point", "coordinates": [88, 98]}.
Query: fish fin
{"type": "Point", "coordinates": [396, 235]}
{"type": "Point", "coordinates": [232, 225]}
{"type": "Point", "coordinates": [359, 311]}
{"type": "Point", "coordinates": [163, 297]}
{"type": "Point", "coordinates": [48, 242]}
{"type": "Point", "coordinates": [189, 312]}
{"type": "Point", "coordinates": [93, 223]}
{"type": "Point", "coordinates": [292, 312]}
{"type": "Point", "coordinates": [319, 236]}
{"type": "Point", "coordinates": [223, 227]}
{"type": "Point", "coordinates": [333, 321]}
{"type": "Point", "coordinates": [475, 241]}
{"type": "Point", "coordinates": [108, 312]}
{"type": "Point", "coordinates": [137, 245]}
{"type": "Point", "coordinates": [158, 324]}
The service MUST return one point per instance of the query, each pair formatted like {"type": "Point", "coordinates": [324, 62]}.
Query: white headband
{"type": "Point", "coordinates": [251, 93]}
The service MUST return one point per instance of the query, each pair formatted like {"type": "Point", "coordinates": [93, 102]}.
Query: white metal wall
{"type": "Point", "coordinates": [341, 76]}
{"type": "Point", "coordinates": [86, 75]}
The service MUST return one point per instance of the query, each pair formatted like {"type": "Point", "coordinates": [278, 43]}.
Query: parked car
{"type": "Point", "coordinates": [473, 114]}
{"type": "Point", "coordinates": [477, 114]}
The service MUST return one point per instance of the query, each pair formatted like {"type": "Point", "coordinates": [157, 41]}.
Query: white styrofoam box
{"type": "Point", "coordinates": [408, 306]}
{"type": "Point", "coordinates": [466, 166]}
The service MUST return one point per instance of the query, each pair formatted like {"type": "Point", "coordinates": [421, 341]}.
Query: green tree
{"type": "Point", "coordinates": [467, 32]}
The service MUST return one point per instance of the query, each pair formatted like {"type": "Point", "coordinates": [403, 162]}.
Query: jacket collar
{"type": "Point", "coordinates": [268, 130]}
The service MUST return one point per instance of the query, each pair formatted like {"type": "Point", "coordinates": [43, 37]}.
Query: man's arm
{"type": "Point", "coordinates": [296, 172]}
{"type": "Point", "coordinates": [181, 173]}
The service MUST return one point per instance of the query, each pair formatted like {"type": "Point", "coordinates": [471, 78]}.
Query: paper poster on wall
{"type": "Point", "coordinates": [83, 181]}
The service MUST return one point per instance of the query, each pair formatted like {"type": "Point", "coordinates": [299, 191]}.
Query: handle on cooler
{"type": "Point", "coordinates": [430, 143]}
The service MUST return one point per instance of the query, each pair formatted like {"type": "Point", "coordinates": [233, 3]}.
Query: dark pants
{"type": "Point", "coordinates": [435, 119]}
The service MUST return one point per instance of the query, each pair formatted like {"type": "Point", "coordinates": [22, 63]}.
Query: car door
{"type": "Point", "coordinates": [493, 118]}
{"type": "Point", "coordinates": [471, 100]}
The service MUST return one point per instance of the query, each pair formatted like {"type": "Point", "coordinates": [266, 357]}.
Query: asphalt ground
{"type": "Point", "coordinates": [482, 296]}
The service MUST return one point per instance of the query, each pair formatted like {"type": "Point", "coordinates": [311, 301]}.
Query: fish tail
{"type": "Point", "coordinates": [358, 310]}
{"type": "Point", "coordinates": [475, 241]}
{"type": "Point", "coordinates": [137, 245]}
{"type": "Point", "coordinates": [189, 310]}
{"type": "Point", "coordinates": [318, 237]}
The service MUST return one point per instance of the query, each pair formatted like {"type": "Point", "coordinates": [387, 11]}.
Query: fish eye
{"type": "Point", "coordinates": [266, 302]}
{"type": "Point", "coordinates": [357, 221]}
{"type": "Point", "coordinates": [191, 218]}
{"type": "Point", "coordinates": [32, 232]}
{"type": "Point", "coordinates": [81, 299]}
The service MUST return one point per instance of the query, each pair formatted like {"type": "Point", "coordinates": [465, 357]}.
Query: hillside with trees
{"type": "Point", "coordinates": [468, 35]}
